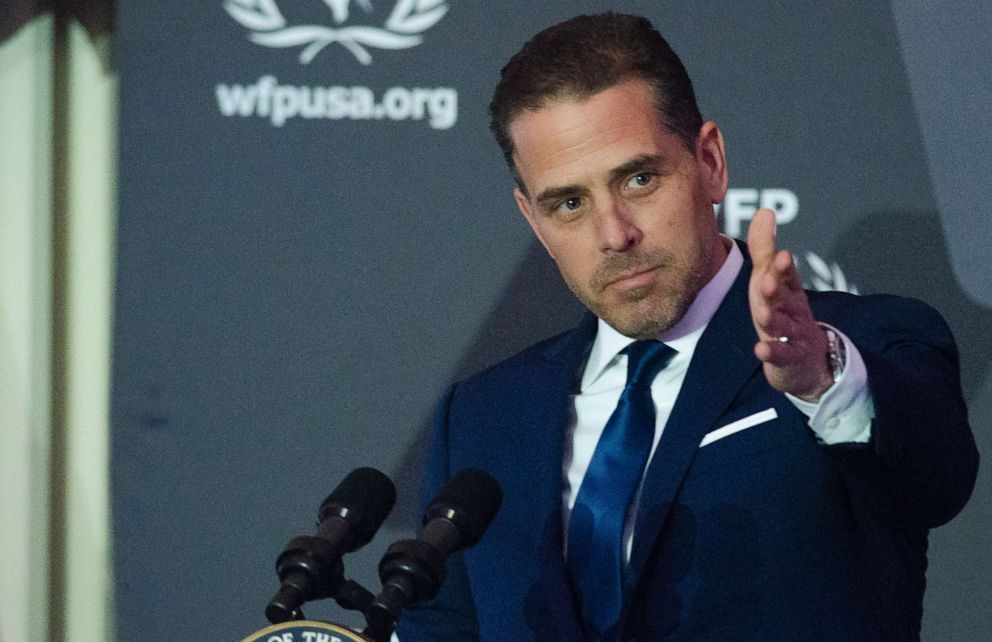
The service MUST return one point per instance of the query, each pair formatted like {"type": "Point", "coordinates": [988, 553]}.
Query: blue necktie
{"type": "Point", "coordinates": [595, 529]}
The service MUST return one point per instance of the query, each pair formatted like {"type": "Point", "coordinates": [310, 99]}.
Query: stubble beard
{"type": "Point", "coordinates": [648, 311]}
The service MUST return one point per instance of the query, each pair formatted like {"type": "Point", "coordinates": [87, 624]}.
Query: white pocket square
{"type": "Point", "coordinates": [739, 425]}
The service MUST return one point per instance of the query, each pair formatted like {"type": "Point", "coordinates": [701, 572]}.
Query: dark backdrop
{"type": "Point", "coordinates": [317, 235]}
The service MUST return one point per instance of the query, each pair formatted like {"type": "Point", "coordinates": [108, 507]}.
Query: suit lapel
{"type": "Point", "coordinates": [550, 608]}
{"type": "Point", "coordinates": [721, 364]}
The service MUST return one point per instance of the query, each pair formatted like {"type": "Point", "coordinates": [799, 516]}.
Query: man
{"type": "Point", "coordinates": [798, 445]}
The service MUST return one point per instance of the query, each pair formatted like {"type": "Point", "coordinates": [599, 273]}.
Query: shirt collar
{"type": "Point", "coordinates": [684, 335]}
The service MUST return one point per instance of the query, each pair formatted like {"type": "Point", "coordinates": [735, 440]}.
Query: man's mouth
{"type": "Point", "coordinates": [635, 278]}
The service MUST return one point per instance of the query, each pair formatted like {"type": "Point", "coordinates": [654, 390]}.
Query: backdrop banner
{"type": "Point", "coordinates": [317, 235]}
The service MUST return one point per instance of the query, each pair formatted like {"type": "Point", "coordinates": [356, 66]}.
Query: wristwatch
{"type": "Point", "coordinates": [836, 353]}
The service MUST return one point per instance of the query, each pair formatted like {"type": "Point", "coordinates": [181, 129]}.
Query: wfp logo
{"type": "Point", "coordinates": [278, 103]}
{"type": "Point", "coordinates": [740, 205]}
{"type": "Point", "coordinates": [401, 30]}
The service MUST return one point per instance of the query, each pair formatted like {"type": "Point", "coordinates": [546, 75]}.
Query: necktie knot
{"type": "Point", "coordinates": [645, 359]}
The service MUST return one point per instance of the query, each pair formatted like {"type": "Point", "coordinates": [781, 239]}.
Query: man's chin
{"type": "Point", "coordinates": [640, 313]}
{"type": "Point", "coordinates": [643, 319]}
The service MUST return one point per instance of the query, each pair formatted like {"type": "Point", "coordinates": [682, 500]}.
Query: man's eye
{"type": "Point", "coordinates": [569, 204]}
{"type": "Point", "coordinates": [638, 181]}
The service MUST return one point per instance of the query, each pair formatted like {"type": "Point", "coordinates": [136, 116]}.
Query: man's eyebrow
{"type": "Point", "coordinates": [638, 163]}
{"type": "Point", "coordinates": [555, 193]}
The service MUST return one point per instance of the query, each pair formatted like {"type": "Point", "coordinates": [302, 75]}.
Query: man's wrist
{"type": "Point", "coordinates": [832, 365]}
{"type": "Point", "coordinates": [814, 396]}
{"type": "Point", "coordinates": [843, 414]}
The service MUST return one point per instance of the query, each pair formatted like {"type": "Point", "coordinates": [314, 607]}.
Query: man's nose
{"type": "Point", "coordinates": [616, 228]}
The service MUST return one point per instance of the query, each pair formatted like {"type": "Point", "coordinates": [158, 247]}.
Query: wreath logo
{"type": "Point", "coordinates": [827, 277]}
{"type": "Point", "coordinates": [401, 30]}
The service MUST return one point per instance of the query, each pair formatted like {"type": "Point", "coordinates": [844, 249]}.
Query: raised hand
{"type": "Point", "coordinates": [792, 347]}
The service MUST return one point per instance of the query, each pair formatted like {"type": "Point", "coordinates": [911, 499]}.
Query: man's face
{"type": "Point", "coordinates": [620, 204]}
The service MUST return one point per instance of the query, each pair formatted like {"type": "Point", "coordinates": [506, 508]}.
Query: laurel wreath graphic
{"type": "Point", "coordinates": [828, 277]}
{"type": "Point", "coordinates": [401, 29]}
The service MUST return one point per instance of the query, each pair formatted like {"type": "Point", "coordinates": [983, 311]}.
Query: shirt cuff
{"type": "Point", "coordinates": [843, 414]}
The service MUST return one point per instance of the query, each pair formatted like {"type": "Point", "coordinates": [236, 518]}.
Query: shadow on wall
{"type": "Point", "coordinates": [535, 305]}
{"type": "Point", "coordinates": [905, 253]}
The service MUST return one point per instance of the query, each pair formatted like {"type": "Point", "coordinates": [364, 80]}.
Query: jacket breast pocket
{"type": "Point", "coordinates": [738, 425]}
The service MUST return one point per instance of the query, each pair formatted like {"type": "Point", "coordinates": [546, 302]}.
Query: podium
{"type": "Point", "coordinates": [305, 631]}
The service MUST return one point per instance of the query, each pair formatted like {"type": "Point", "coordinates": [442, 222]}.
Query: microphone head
{"type": "Point", "coordinates": [363, 499]}
{"type": "Point", "coordinates": [470, 500]}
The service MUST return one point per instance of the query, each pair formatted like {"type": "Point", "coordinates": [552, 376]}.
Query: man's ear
{"type": "Point", "coordinates": [524, 205]}
{"type": "Point", "coordinates": [712, 160]}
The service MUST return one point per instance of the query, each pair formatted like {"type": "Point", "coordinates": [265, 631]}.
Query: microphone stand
{"type": "Point", "coordinates": [309, 570]}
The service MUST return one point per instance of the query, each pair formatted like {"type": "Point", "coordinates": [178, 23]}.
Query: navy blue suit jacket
{"type": "Point", "coordinates": [766, 534]}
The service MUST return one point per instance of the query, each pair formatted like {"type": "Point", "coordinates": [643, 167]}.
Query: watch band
{"type": "Point", "coordinates": [836, 353]}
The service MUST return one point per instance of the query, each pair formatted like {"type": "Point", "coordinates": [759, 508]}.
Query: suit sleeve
{"type": "Point", "coordinates": [921, 462]}
{"type": "Point", "coordinates": [451, 615]}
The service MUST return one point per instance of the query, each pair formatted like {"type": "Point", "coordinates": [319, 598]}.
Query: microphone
{"type": "Point", "coordinates": [412, 571]}
{"type": "Point", "coordinates": [354, 511]}
{"type": "Point", "coordinates": [311, 568]}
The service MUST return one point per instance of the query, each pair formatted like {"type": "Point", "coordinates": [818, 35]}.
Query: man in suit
{"type": "Point", "coordinates": [800, 445]}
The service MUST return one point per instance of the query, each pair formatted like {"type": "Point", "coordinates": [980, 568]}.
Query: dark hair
{"type": "Point", "coordinates": [588, 54]}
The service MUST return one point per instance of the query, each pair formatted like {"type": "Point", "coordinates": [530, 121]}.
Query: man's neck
{"type": "Point", "coordinates": [684, 334]}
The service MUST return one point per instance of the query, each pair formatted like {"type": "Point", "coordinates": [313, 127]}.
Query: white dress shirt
{"type": "Point", "coordinates": [843, 413]}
